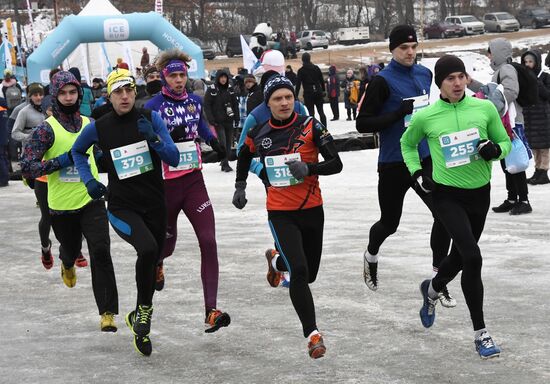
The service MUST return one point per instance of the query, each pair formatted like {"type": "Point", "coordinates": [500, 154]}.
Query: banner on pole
{"type": "Point", "coordinates": [158, 7]}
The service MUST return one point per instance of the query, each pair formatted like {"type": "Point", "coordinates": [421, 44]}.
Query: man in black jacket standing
{"type": "Point", "coordinates": [222, 111]}
{"type": "Point", "coordinates": [311, 78]}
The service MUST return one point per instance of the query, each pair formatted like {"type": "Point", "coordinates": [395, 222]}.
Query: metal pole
{"type": "Point", "coordinates": [55, 12]}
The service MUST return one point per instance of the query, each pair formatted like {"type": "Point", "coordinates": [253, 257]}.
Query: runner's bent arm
{"type": "Point", "coordinates": [249, 123]}
{"type": "Point", "coordinates": [244, 159]}
{"type": "Point", "coordinates": [165, 147]}
{"type": "Point", "coordinates": [409, 144]}
{"type": "Point", "coordinates": [369, 119]}
{"type": "Point", "coordinates": [40, 141]}
{"type": "Point", "coordinates": [85, 140]}
{"type": "Point", "coordinates": [331, 163]}
{"type": "Point", "coordinates": [203, 129]}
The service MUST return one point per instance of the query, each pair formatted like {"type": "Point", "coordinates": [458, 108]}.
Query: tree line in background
{"type": "Point", "coordinates": [216, 20]}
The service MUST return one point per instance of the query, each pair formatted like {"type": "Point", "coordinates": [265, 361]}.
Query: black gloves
{"type": "Point", "coordinates": [239, 197]}
{"type": "Point", "coordinates": [423, 184]}
{"type": "Point", "coordinates": [298, 169]}
{"type": "Point", "coordinates": [216, 146]}
{"type": "Point", "coordinates": [488, 150]}
{"type": "Point", "coordinates": [95, 189]}
{"type": "Point", "coordinates": [178, 133]}
{"type": "Point", "coordinates": [406, 107]}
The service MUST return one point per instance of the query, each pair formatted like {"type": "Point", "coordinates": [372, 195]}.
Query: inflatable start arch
{"type": "Point", "coordinates": [74, 30]}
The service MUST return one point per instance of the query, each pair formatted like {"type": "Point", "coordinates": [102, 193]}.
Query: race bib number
{"type": "Point", "coordinates": [419, 102]}
{"type": "Point", "coordinates": [132, 160]}
{"type": "Point", "coordinates": [69, 175]}
{"type": "Point", "coordinates": [278, 172]}
{"type": "Point", "coordinates": [460, 148]}
{"type": "Point", "coordinates": [189, 156]}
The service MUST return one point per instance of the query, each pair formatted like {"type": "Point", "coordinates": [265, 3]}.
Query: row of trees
{"type": "Point", "coordinates": [215, 20]}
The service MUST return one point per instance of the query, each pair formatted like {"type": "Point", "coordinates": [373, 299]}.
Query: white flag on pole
{"type": "Point", "coordinates": [249, 59]}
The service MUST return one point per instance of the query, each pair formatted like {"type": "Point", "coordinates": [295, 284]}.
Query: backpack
{"type": "Point", "coordinates": [354, 92]}
{"type": "Point", "coordinates": [13, 96]}
{"type": "Point", "coordinates": [528, 87]}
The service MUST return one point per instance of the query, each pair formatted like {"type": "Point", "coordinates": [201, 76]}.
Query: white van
{"type": "Point", "coordinates": [471, 25]}
{"type": "Point", "coordinates": [352, 35]}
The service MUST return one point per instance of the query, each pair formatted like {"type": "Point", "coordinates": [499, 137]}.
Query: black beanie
{"type": "Point", "coordinates": [274, 83]}
{"type": "Point", "coordinates": [306, 57]}
{"type": "Point", "coordinates": [446, 65]}
{"type": "Point", "coordinates": [402, 34]}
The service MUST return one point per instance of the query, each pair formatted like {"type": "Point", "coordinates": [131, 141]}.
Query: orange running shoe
{"type": "Point", "coordinates": [316, 346]}
{"type": "Point", "coordinates": [81, 261]}
{"type": "Point", "coordinates": [215, 320]}
{"type": "Point", "coordinates": [273, 276]}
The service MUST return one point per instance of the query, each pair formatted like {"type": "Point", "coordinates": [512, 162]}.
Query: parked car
{"type": "Point", "coordinates": [443, 29]}
{"type": "Point", "coordinates": [533, 17]}
{"type": "Point", "coordinates": [500, 22]}
{"type": "Point", "coordinates": [313, 39]}
{"type": "Point", "coordinates": [233, 46]}
{"type": "Point", "coordinates": [207, 51]}
{"type": "Point", "coordinates": [471, 25]}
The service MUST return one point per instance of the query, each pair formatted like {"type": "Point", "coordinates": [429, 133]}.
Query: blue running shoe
{"type": "Point", "coordinates": [427, 312]}
{"type": "Point", "coordinates": [486, 347]}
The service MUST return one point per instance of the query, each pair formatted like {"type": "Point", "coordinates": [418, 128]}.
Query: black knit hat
{"type": "Point", "coordinates": [402, 34]}
{"type": "Point", "coordinates": [446, 65]}
{"type": "Point", "coordinates": [274, 83]}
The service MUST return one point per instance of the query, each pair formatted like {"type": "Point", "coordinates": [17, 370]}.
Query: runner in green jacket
{"type": "Point", "coordinates": [465, 135]}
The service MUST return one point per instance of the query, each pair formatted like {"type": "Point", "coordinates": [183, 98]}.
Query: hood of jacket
{"type": "Point", "coordinates": [220, 74]}
{"type": "Point", "coordinates": [59, 80]}
{"type": "Point", "coordinates": [332, 70]}
{"type": "Point", "coordinates": [538, 60]}
{"type": "Point", "coordinates": [501, 52]}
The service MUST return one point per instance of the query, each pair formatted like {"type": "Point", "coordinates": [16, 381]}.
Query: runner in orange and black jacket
{"type": "Point", "coordinates": [295, 210]}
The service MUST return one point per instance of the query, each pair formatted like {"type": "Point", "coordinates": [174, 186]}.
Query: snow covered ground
{"type": "Point", "coordinates": [50, 333]}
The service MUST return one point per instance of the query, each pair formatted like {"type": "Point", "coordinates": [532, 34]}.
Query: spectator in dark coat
{"type": "Point", "coordinates": [333, 91]}
{"type": "Point", "coordinates": [291, 75]}
{"type": "Point", "coordinates": [222, 111]}
{"type": "Point", "coordinates": [254, 93]}
{"type": "Point", "coordinates": [311, 78]}
{"type": "Point", "coordinates": [537, 119]}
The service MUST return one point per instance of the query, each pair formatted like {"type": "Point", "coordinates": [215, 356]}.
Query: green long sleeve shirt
{"type": "Point", "coordinates": [453, 131]}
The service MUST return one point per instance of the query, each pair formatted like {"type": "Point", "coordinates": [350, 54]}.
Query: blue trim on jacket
{"type": "Point", "coordinates": [403, 82]}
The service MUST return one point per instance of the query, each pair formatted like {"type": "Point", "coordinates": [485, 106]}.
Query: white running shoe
{"type": "Point", "coordinates": [446, 299]}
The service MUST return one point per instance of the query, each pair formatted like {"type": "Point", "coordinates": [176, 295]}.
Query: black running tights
{"type": "Point", "coordinates": [463, 212]}
{"type": "Point", "coordinates": [393, 184]}
{"type": "Point", "coordinates": [299, 239]}
{"type": "Point", "coordinates": [90, 221]}
{"type": "Point", "coordinates": [45, 223]}
{"type": "Point", "coordinates": [146, 232]}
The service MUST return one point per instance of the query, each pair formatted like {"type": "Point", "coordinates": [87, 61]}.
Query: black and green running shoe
{"type": "Point", "coordinates": [142, 344]}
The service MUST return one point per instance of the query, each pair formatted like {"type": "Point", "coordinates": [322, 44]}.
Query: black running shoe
{"type": "Point", "coordinates": [142, 344]}
{"type": "Point", "coordinates": [141, 321]}
{"type": "Point", "coordinates": [521, 208]}
{"type": "Point", "coordinates": [506, 206]}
